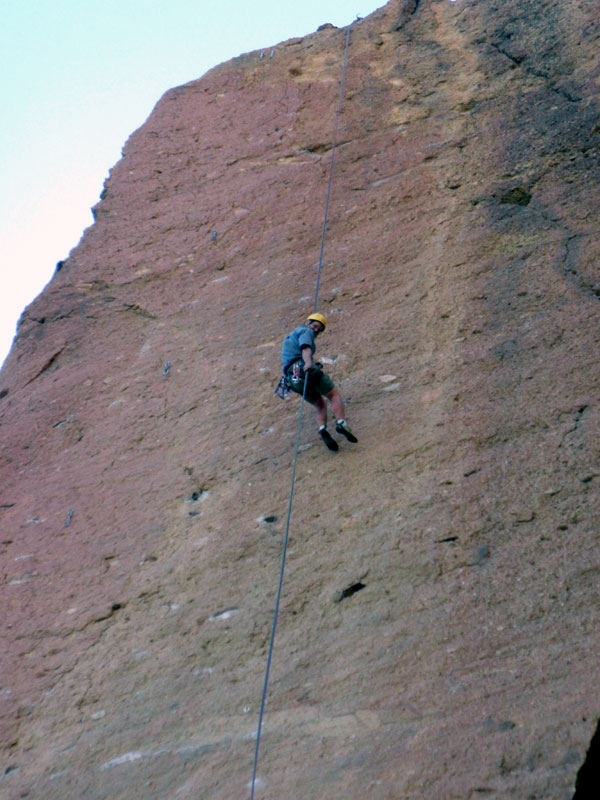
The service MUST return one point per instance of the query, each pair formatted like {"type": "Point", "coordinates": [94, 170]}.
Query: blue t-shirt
{"type": "Point", "coordinates": [294, 342]}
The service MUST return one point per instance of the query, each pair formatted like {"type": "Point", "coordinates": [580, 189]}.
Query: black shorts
{"type": "Point", "coordinates": [319, 383]}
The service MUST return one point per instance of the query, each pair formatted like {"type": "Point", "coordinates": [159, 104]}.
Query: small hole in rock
{"type": "Point", "coordinates": [518, 196]}
{"type": "Point", "coordinates": [349, 591]}
{"type": "Point", "coordinates": [271, 518]}
{"type": "Point", "coordinates": [199, 494]}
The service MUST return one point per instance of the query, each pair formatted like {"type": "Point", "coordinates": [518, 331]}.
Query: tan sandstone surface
{"type": "Point", "coordinates": [438, 632]}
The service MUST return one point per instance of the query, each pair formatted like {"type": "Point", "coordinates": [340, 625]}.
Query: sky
{"type": "Point", "coordinates": [79, 76]}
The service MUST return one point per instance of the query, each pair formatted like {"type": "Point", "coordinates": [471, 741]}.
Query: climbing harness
{"type": "Point", "coordinates": [299, 427]}
{"type": "Point", "coordinates": [293, 375]}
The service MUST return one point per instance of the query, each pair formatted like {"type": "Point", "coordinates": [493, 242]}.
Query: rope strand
{"type": "Point", "coordinates": [298, 430]}
{"type": "Point", "coordinates": [330, 182]}
{"type": "Point", "coordinates": [278, 598]}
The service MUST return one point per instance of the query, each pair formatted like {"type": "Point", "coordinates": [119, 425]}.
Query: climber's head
{"type": "Point", "coordinates": [317, 322]}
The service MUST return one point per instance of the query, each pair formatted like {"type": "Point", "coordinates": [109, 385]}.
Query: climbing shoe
{"type": "Point", "coordinates": [328, 439]}
{"type": "Point", "coordinates": [342, 428]}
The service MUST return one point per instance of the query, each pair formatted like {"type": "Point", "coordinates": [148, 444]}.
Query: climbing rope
{"type": "Point", "coordinates": [298, 430]}
{"type": "Point", "coordinates": [330, 182]}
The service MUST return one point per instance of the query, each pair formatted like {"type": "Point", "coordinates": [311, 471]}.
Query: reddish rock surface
{"type": "Point", "coordinates": [460, 280]}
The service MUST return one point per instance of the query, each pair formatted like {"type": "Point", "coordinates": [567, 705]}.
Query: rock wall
{"type": "Point", "coordinates": [439, 621]}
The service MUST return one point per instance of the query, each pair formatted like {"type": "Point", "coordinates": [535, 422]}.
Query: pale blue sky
{"type": "Point", "coordinates": [78, 77]}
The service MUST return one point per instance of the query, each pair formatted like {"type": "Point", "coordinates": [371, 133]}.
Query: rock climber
{"type": "Point", "coordinates": [298, 366]}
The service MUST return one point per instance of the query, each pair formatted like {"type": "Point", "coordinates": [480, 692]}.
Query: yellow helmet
{"type": "Point", "coordinates": [318, 318]}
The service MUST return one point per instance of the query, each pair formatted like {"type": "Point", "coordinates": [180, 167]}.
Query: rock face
{"type": "Point", "coordinates": [439, 621]}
